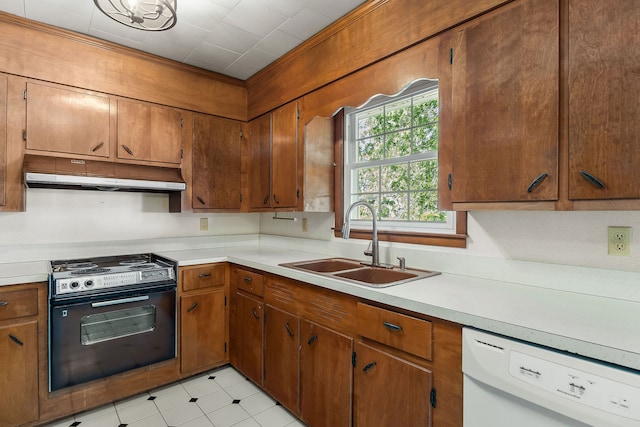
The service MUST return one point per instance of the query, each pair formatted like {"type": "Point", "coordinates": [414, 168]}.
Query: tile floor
{"type": "Point", "coordinates": [219, 398]}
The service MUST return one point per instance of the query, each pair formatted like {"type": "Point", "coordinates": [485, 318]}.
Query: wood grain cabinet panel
{"type": "Point", "coordinates": [325, 376]}
{"type": "Point", "coordinates": [216, 163]}
{"type": "Point", "coordinates": [149, 132]}
{"type": "Point", "coordinates": [259, 163]}
{"type": "Point", "coordinates": [248, 336]}
{"type": "Point", "coordinates": [205, 276]}
{"type": "Point", "coordinates": [18, 373]}
{"type": "Point", "coordinates": [604, 88]}
{"type": "Point", "coordinates": [66, 120]}
{"type": "Point", "coordinates": [503, 122]}
{"type": "Point", "coordinates": [389, 391]}
{"type": "Point", "coordinates": [3, 138]}
{"type": "Point", "coordinates": [281, 363]}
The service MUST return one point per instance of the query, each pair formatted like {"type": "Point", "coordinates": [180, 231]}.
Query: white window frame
{"type": "Point", "coordinates": [415, 89]}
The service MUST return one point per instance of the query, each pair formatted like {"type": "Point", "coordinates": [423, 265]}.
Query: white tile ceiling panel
{"type": "Point", "coordinates": [233, 37]}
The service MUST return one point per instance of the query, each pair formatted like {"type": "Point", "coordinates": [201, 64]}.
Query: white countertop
{"type": "Point", "coordinates": [592, 326]}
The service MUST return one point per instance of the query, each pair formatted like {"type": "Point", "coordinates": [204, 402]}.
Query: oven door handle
{"type": "Point", "coordinates": [119, 301]}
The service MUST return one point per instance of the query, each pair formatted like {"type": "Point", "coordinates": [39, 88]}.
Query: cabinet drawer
{"type": "Point", "coordinates": [397, 330]}
{"type": "Point", "coordinates": [251, 282]}
{"type": "Point", "coordinates": [203, 277]}
{"type": "Point", "coordinates": [15, 304]}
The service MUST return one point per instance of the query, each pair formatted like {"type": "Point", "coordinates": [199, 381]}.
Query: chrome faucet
{"type": "Point", "coordinates": [374, 252]}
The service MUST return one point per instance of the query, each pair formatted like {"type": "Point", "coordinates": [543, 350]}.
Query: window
{"type": "Point", "coordinates": [391, 161]}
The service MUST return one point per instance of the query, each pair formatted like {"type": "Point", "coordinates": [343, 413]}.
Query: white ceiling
{"type": "Point", "coordinates": [232, 37]}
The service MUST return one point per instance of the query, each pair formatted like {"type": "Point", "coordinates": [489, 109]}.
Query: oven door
{"type": "Point", "coordinates": [97, 337]}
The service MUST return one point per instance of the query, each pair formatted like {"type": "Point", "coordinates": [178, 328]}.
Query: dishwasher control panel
{"type": "Point", "coordinates": [583, 387]}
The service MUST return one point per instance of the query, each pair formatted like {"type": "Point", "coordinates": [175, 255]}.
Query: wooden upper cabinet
{"type": "Point", "coordinates": [604, 89]}
{"type": "Point", "coordinates": [3, 139]}
{"type": "Point", "coordinates": [259, 162]}
{"type": "Point", "coordinates": [216, 163]}
{"type": "Point", "coordinates": [273, 160]}
{"type": "Point", "coordinates": [149, 132]}
{"type": "Point", "coordinates": [284, 156]}
{"type": "Point", "coordinates": [65, 120]}
{"type": "Point", "coordinates": [502, 109]}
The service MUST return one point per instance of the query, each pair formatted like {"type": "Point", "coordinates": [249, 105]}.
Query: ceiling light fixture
{"type": "Point", "coordinates": [149, 15]}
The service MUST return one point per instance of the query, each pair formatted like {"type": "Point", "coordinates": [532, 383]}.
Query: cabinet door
{"type": "Point", "coordinates": [216, 163]}
{"type": "Point", "coordinates": [202, 330]}
{"type": "Point", "coordinates": [389, 391]}
{"type": "Point", "coordinates": [3, 139]}
{"type": "Point", "coordinates": [604, 88]}
{"type": "Point", "coordinates": [148, 132]}
{"type": "Point", "coordinates": [248, 336]}
{"type": "Point", "coordinates": [284, 156]}
{"type": "Point", "coordinates": [18, 374]}
{"type": "Point", "coordinates": [281, 338]}
{"type": "Point", "coordinates": [325, 376]}
{"type": "Point", "coordinates": [259, 164]}
{"type": "Point", "coordinates": [64, 120]}
{"type": "Point", "coordinates": [504, 104]}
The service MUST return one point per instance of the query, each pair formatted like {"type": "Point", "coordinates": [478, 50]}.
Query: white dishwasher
{"type": "Point", "coordinates": [509, 383]}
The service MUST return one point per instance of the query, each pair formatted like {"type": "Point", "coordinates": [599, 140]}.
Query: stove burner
{"type": "Point", "coordinates": [95, 270]}
{"type": "Point", "coordinates": [133, 262]}
{"type": "Point", "coordinates": [81, 266]}
{"type": "Point", "coordinates": [142, 266]}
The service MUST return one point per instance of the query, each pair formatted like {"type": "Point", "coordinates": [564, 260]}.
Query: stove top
{"type": "Point", "coordinates": [76, 276]}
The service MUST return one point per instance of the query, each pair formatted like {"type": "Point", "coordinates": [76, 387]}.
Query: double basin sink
{"type": "Point", "coordinates": [357, 272]}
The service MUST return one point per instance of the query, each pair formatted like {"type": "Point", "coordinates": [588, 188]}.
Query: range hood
{"type": "Point", "coordinates": [68, 173]}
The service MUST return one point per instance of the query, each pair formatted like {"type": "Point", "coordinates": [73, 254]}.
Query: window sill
{"type": "Point", "coordinates": [446, 240]}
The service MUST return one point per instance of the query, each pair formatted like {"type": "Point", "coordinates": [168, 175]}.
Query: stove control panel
{"type": "Point", "coordinates": [103, 281]}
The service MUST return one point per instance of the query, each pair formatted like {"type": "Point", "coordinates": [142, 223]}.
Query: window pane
{"type": "Point", "coordinates": [361, 212]}
{"type": "Point", "coordinates": [398, 144]}
{"type": "Point", "coordinates": [398, 115]}
{"type": "Point", "coordinates": [425, 138]}
{"type": "Point", "coordinates": [370, 123]}
{"type": "Point", "coordinates": [394, 207]}
{"type": "Point", "coordinates": [366, 180]}
{"type": "Point", "coordinates": [394, 177]}
{"type": "Point", "coordinates": [369, 149]}
{"type": "Point", "coordinates": [425, 108]}
{"type": "Point", "coordinates": [424, 175]}
{"type": "Point", "coordinates": [424, 207]}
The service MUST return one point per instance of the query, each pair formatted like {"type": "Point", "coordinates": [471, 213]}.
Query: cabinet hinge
{"type": "Point", "coordinates": [451, 56]}
{"type": "Point", "coordinates": [298, 193]}
{"type": "Point", "coordinates": [353, 359]}
{"type": "Point", "coordinates": [24, 94]}
{"type": "Point", "coordinates": [240, 197]}
{"type": "Point", "coordinates": [181, 153]}
{"type": "Point", "coordinates": [225, 347]}
{"type": "Point", "coordinates": [297, 114]}
{"type": "Point", "coordinates": [181, 122]}
{"type": "Point", "coordinates": [432, 397]}
{"type": "Point", "coordinates": [225, 300]}
{"type": "Point", "coordinates": [24, 134]}
{"type": "Point", "coordinates": [449, 182]}
{"type": "Point", "coordinates": [241, 134]}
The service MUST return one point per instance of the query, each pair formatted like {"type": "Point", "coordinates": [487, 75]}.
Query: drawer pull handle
{"type": "Point", "coordinates": [266, 199]}
{"type": "Point", "coordinates": [286, 325]}
{"type": "Point", "coordinates": [536, 182]}
{"type": "Point", "coordinates": [97, 147]}
{"type": "Point", "coordinates": [392, 327]}
{"type": "Point", "coordinates": [248, 279]}
{"type": "Point", "coordinates": [275, 199]}
{"type": "Point", "coordinates": [312, 339]}
{"type": "Point", "coordinates": [201, 200]}
{"type": "Point", "coordinates": [592, 179]}
{"type": "Point", "coordinates": [203, 275]}
{"type": "Point", "coordinates": [369, 366]}
{"type": "Point", "coordinates": [127, 149]}
{"type": "Point", "coordinates": [193, 307]}
{"type": "Point", "coordinates": [255, 313]}
{"type": "Point", "coordinates": [15, 340]}
{"type": "Point", "coordinates": [3, 303]}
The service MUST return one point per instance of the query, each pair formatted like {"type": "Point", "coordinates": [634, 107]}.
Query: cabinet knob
{"type": "Point", "coordinates": [369, 367]}
{"type": "Point", "coordinates": [200, 200]}
{"type": "Point", "coordinates": [193, 307]}
{"type": "Point", "coordinates": [536, 182]}
{"type": "Point", "coordinates": [97, 147]}
{"type": "Point", "coordinates": [127, 149]}
{"type": "Point", "coordinates": [312, 339]}
{"type": "Point", "coordinates": [592, 179]}
{"type": "Point", "coordinates": [275, 199]}
{"type": "Point", "coordinates": [3, 303]}
{"type": "Point", "coordinates": [15, 340]}
{"type": "Point", "coordinates": [255, 313]}
{"type": "Point", "coordinates": [288, 328]}
{"type": "Point", "coordinates": [248, 279]}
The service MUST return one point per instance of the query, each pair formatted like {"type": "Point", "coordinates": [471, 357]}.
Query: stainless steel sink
{"type": "Point", "coordinates": [354, 271]}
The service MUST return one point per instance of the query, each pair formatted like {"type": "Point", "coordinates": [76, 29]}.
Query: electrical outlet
{"type": "Point", "coordinates": [204, 224]}
{"type": "Point", "coordinates": [620, 241]}
{"type": "Point", "coordinates": [304, 225]}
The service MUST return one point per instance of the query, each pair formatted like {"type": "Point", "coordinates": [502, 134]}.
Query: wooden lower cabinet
{"type": "Point", "coordinates": [248, 336]}
{"type": "Point", "coordinates": [325, 376]}
{"type": "Point", "coordinates": [18, 373]}
{"type": "Point", "coordinates": [202, 334]}
{"type": "Point", "coordinates": [388, 390]}
{"type": "Point", "coordinates": [281, 363]}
